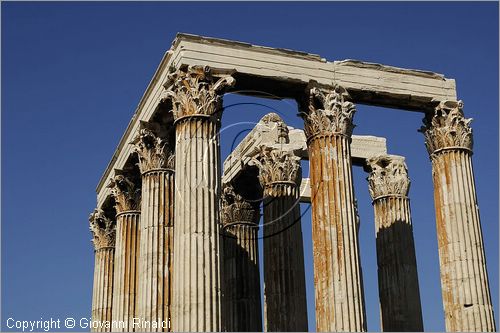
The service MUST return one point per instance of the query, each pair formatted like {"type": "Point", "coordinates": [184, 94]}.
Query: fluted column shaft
{"type": "Point", "coordinates": [196, 97]}
{"type": "Point", "coordinates": [102, 294]}
{"type": "Point", "coordinates": [127, 203]}
{"type": "Point", "coordinates": [156, 248]}
{"type": "Point", "coordinates": [464, 279]}
{"type": "Point", "coordinates": [337, 268]}
{"type": "Point", "coordinates": [103, 230]}
{"type": "Point", "coordinates": [125, 278]}
{"type": "Point", "coordinates": [241, 280]}
{"type": "Point", "coordinates": [389, 184]}
{"type": "Point", "coordinates": [337, 276]}
{"type": "Point", "coordinates": [156, 163]}
{"type": "Point", "coordinates": [196, 295]}
{"type": "Point", "coordinates": [399, 293]}
{"type": "Point", "coordinates": [285, 307]}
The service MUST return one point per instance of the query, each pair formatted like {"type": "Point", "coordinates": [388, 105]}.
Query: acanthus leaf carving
{"type": "Point", "coordinates": [127, 196]}
{"type": "Point", "coordinates": [235, 209]}
{"type": "Point", "coordinates": [153, 151]}
{"type": "Point", "coordinates": [447, 127]}
{"type": "Point", "coordinates": [103, 229]}
{"type": "Point", "coordinates": [329, 112]}
{"type": "Point", "coordinates": [278, 168]}
{"type": "Point", "coordinates": [388, 176]}
{"type": "Point", "coordinates": [196, 91]}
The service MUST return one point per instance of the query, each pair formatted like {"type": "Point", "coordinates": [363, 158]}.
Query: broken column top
{"type": "Point", "coordinates": [268, 132]}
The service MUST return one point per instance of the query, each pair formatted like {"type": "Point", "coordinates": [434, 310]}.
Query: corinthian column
{"type": "Point", "coordinates": [156, 162]}
{"type": "Point", "coordinates": [285, 306]}
{"type": "Point", "coordinates": [241, 279]}
{"type": "Point", "coordinates": [337, 272]}
{"type": "Point", "coordinates": [399, 294]}
{"type": "Point", "coordinates": [103, 230]}
{"type": "Point", "coordinates": [127, 202]}
{"type": "Point", "coordinates": [464, 280]}
{"type": "Point", "coordinates": [197, 106]}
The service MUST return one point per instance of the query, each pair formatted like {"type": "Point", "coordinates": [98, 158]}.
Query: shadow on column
{"type": "Point", "coordinates": [398, 278]}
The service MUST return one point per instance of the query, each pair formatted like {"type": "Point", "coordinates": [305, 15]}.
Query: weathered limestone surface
{"type": "Point", "coordinates": [337, 272]}
{"type": "Point", "coordinates": [156, 163]}
{"type": "Point", "coordinates": [103, 230]}
{"type": "Point", "coordinates": [189, 81]}
{"type": "Point", "coordinates": [464, 279]}
{"type": "Point", "coordinates": [399, 294]}
{"type": "Point", "coordinates": [391, 86]}
{"type": "Point", "coordinates": [283, 73]}
{"type": "Point", "coordinates": [266, 134]}
{"type": "Point", "coordinates": [128, 201]}
{"type": "Point", "coordinates": [241, 280]}
{"type": "Point", "coordinates": [197, 101]}
{"type": "Point", "coordinates": [285, 307]}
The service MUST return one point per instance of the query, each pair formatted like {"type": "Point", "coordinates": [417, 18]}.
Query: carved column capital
{"type": "Point", "coordinates": [196, 91]}
{"type": "Point", "coordinates": [127, 196]}
{"type": "Point", "coordinates": [328, 112]}
{"type": "Point", "coordinates": [280, 171]}
{"type": "Point", "coordinates": [153, 151]}
{"type": "Point", "coordinates": [237, 210]}
{"type": "Point", "coordinates": [447, 128]}
{"type": "Point", "coordinates": [388, 176]}
{"type": "Point", "coordinates": [103, 229]}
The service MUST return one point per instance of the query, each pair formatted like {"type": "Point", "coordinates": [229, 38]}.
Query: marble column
{"type": "Point", "coordinates": [464, 279]}
{"type": "Point", "coordinates": [285, 307]}
{"type": "Point", "coordinates": [103, 230]}
{"type": "Point", "coordinates": [127, 203]}
{"type": "Point", "coordinates": [328, 115]}
{"type": "Point", "coordinates": [156, 163]}
{"type": "Point", "coordinates": [241, 280]}
{"type": "Point", "coordinates": [399, 294]}
{"type": "Point", "coordinates": [196, 96]}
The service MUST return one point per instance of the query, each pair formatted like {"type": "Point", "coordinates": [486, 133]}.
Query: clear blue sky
{"type": "Point", "coordinates": [73, 74]}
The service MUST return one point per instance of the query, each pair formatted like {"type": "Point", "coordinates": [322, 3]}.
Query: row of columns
{"type": "Point", "coordinates": [145, 268]}
{"type": "Point", "coordinates": [279, 175]}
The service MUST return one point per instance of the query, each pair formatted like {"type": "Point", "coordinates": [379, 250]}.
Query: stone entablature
{"type": "Point", "coordinates": [268, 133]}
{"type": "Point", "coordinates": [367, 83]}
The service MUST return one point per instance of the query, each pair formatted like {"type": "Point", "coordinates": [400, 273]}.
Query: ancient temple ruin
{"type": "Point", "coordinates": [176, 230]}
